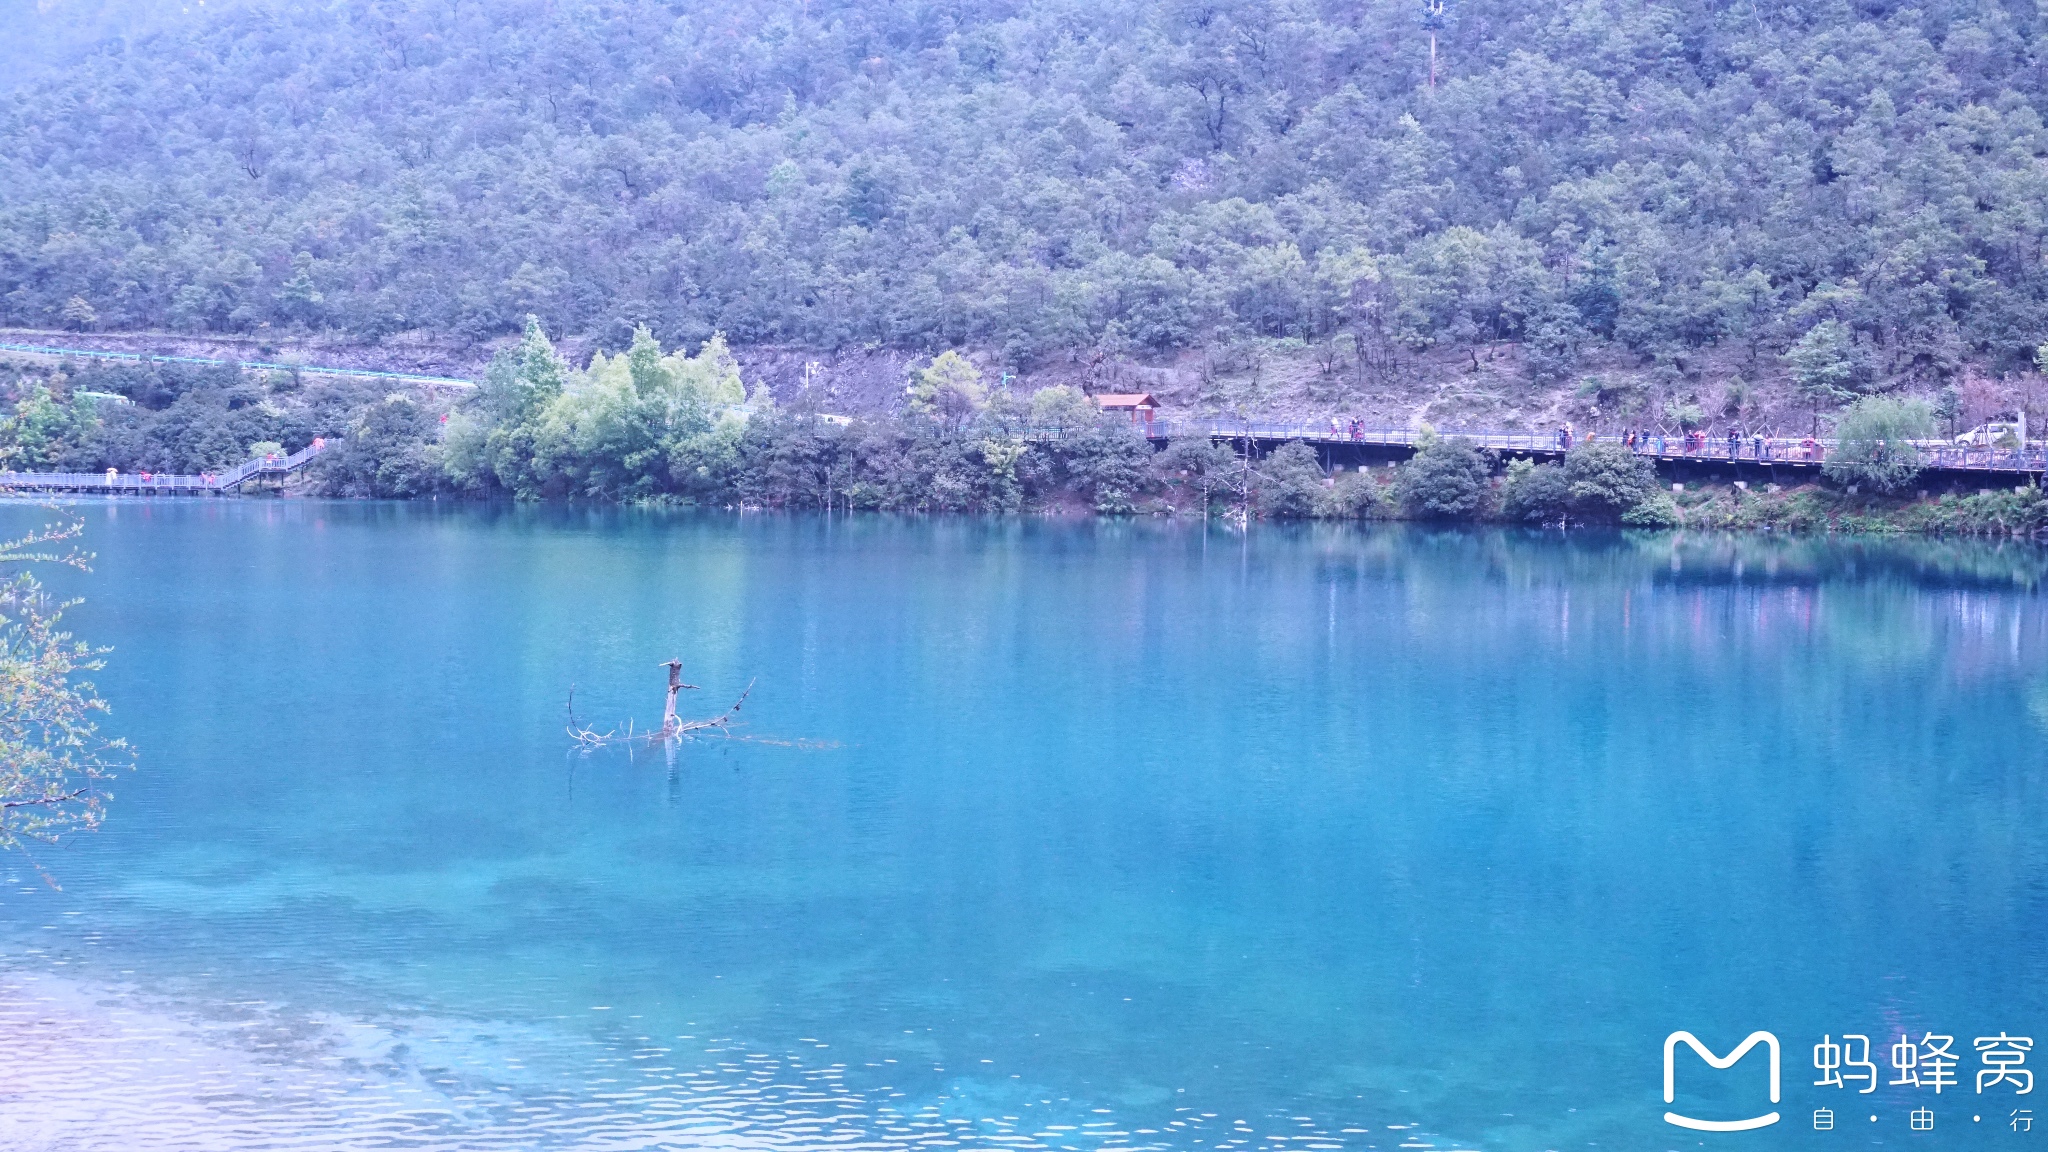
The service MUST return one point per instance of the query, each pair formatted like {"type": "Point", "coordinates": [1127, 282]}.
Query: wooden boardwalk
{"type": "Point", "coordinates": [1796, 454]}
{"type": "Point", "coordinates": [111, 483]}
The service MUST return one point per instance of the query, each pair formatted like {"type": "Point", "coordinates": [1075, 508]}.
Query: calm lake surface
{"type": "Point", "coordinates": [1052, 835]}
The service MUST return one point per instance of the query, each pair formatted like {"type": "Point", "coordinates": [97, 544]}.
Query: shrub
{"type": "Point", "coordinates": [948, 389]}
{"type": "Point", "coordinates": [1607, 480]}
{"type": "Point", "coordinates": [1061, 407]}
{"type": "Point", "coordinates": [1293, 482]}
{"type": "Point", "coordinates": [1198, 468]}
{"type": "Point", "coordinates": [1107, 466]}
{"type": "Point", "coordinates": [1985, 513]}
{"type": "Point", "coordinates": [1446, 479]}
{"type": "Point", "coordinates": [1873, 446]}
{"type": "Point", "coordinates": [1657, 511]}
{"type": "Point", "coordinates": [389, 451]}
{"type": "Point", "coordinates": [1685, 414]}
{"type": "Point", "coordinates": [1828, 364]}
{"type": "Point", "coordinates": [790, 460]}
{"type": "Point", "coordinates": [1355, 496]}
{"type": "Point", "coordinates": [1535, 493]}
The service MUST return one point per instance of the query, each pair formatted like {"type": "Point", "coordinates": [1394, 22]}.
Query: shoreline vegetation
{"type": "Point", "coordinates": [654, 426]}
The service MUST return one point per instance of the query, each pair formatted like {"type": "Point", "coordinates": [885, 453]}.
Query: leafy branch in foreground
{"type": "Point", "coordinates": [53, 760]}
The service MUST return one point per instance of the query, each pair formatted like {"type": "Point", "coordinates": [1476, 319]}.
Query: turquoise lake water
{"type": "Point", "coordinates": [1050, 835]}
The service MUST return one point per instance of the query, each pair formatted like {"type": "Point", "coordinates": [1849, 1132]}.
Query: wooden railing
{"type": "Point", "coordinates": [1755, 449]}
{"type": "Point", "coordinates": [164, 483]}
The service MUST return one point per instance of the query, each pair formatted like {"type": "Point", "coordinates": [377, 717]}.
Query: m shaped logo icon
{"type": "Point", "coordinates": [1671, 1043]}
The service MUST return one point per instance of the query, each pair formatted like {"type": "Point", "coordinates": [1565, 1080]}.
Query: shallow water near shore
{"type": "Point", "coordinates": [1088, 835]}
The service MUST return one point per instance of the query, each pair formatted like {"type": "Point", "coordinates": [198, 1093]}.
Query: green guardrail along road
{"type": "Point", "coordinates": [307, 369]}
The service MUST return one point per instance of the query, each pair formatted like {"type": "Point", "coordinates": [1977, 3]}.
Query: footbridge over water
{"type": "Point", "coordinates": [113, 483]}
{"type": "Point", "coordinates": [1779, 459]}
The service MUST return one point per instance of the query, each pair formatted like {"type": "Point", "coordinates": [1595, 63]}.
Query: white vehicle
{"type": "Point", "coordinates": [1997, 434]}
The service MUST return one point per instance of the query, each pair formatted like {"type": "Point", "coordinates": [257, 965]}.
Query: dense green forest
{"type": "Point", "coordinates": [1861, 185]}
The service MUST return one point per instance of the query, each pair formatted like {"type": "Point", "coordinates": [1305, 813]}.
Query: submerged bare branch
{"type": "Point", "coordinates": [672, 726]}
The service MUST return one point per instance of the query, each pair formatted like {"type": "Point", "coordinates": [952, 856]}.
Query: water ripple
{"type": "Point", "coordinates": [86, 1066]}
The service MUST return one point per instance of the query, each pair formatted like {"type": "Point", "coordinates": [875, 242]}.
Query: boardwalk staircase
{"type": "Point", "coordinates": [268, 467]}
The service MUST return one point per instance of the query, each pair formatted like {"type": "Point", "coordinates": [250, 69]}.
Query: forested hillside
{"type": "Point", "coordinates": [1862, 186]}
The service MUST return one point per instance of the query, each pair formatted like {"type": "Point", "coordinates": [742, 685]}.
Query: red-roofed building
{"type": "Point", "coordinates": [1140, 405]}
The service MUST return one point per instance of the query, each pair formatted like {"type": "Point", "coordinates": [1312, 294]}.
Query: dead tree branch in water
{"type": "Point", "coordinates": [672, 726]}
{"type": "Point", "coordinates": [669, 724]}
